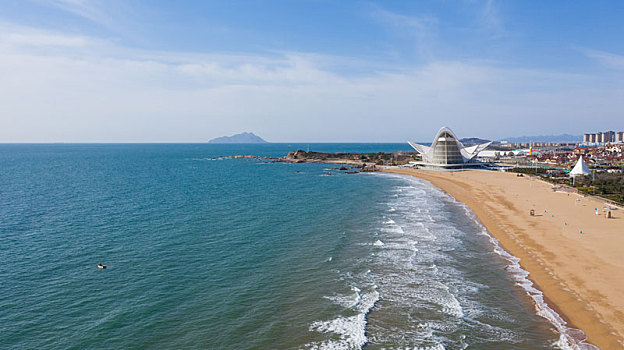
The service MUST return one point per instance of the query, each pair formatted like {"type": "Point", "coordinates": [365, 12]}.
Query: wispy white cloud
{"type": "Point", "coordinates": [93, 10]}
{"type": "Point", "coordinates": [106, 92]}
{"type": "Point", "coordinates": [421, 24]}
{"type": "Point", "coordinates": [13, 35]}
{"type": "Point", "coordinates": [43, 40]}
{"type": "Point", "coordinates": [422, 29]}
{"type": "Point", "coordinates": [116, 17]}
{"type": "Point", "coordinates": [490, 19]}
{"type": "Point", "coordinates": [607, 59]}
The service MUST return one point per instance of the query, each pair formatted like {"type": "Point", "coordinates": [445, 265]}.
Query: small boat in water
{"type": "Point", "coordinates": [100, 266]}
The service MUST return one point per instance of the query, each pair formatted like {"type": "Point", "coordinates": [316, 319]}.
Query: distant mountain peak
{"type": "Point", "coordinates": [471, 141]}
{"type": "Point", "coordinates": [244, 137]}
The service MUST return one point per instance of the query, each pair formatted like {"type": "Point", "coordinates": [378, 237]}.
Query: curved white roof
{"type": "Point", "coordinates": [447, 149]}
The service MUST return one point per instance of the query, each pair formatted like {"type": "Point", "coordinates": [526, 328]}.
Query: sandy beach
{"type": "Point", "coordinates": [581, 274]}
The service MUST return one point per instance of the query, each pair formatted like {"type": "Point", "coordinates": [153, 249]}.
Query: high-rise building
{"type": "Point", "coordinates": [600, 137]}
{"type": "Point", "coordinates": [609, 136]}
{"type": "Point", "coordinates": [604, 137]}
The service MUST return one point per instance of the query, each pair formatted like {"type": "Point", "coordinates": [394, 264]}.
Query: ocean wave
{"type": "Point", "coordinates": [393, 229]}
{"type": "Point", "coordinates": [347, 300]}
{"type": "Point", "coordinates": [351, 330]}
{"type": "Point", "coordinates": [391, 226]}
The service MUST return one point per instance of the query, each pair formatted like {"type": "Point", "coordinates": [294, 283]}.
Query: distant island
{"type": "Point", "coordinates": [245, 137]}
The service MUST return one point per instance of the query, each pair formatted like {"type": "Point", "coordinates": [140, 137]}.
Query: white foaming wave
{"type": "Point", "coordinates": [346, 327]}
{"type": "Point", "coordinates": [393, 229]}
{"type": "Point", "coordinates": [348, 300]}
{"type": "Point", "coordinates": [435, 347]}
{"type": "Point", "coordinates": [414, 191]}
{"type": "Point", "coordinates": [397, 248]}
{"type": "Point", "coordinates": [452, 307]}
{"type": "Point", "coordinates": [400, 252]}
{"type": "Point", "coordinates": [351, 330]}
{"type": "Point", "coordinates": [412, 245]}
{"type": "Point", "coordinates": [204, 159]}
{"type": "Point", "coordinates": [439, 294]}
{"type": "Point", "coordinates": [569, 338]}
{"type": "Point", "coordinates": [428, 328]}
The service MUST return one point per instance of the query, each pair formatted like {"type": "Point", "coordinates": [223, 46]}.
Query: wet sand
{"type": "Point", "coordinates": [582, 274]}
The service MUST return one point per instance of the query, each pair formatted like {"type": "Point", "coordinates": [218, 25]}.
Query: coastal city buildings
{"type": "Point", "coordinates": [559, 157]}
{"type": "Point", "coordinates": [603, 137]}
{"type": "Point", "coordinates": [602, 152]}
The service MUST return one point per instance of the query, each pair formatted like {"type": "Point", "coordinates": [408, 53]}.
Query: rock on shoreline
{"type": "Point", "coordinates": [349, 162]}
{"type": "Point", "coordinates": [363, 161]}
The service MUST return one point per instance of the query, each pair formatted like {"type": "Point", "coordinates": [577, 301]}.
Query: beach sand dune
{"type": "Point", "coordinates": [575, 256]}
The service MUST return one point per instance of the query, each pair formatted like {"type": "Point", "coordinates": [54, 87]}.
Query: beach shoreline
{"type": "Point", "coordinates": [579, 274]}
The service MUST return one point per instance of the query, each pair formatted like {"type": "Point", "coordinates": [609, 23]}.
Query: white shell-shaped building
{"type": "Point", "coordinates": [446, 151]}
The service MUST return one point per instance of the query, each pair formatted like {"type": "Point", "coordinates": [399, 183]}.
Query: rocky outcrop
{"type": "Point", "coordinates": [363, 161]}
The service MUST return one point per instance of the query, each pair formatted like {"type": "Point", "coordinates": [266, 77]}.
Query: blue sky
{"type": "Point", "coordinates": [307, 70]}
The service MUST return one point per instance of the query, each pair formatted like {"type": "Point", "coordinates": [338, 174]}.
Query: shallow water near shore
{"type": "Point", "coordinates": [206, 252]}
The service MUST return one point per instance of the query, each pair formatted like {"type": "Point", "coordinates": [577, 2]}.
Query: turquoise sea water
{"type": "Point", "coordinates": [211, 253]}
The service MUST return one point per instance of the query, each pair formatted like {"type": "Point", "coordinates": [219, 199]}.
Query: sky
{"type": "Point", "coordinates": [307, 70]}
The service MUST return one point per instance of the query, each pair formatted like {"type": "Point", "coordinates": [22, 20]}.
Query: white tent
{"type": "Point", "coordinates": [580, 168]}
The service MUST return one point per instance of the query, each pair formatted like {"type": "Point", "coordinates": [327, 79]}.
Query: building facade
{"type": "Point", "coordinates": [603, 137]}
{"type": "Point", "coordinates": [447, 152]}
{"type": "Point", "coordinates": [600, 137]}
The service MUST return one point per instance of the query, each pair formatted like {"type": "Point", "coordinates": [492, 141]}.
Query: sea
{"type": "Point", "coordinates": [203, 251]}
